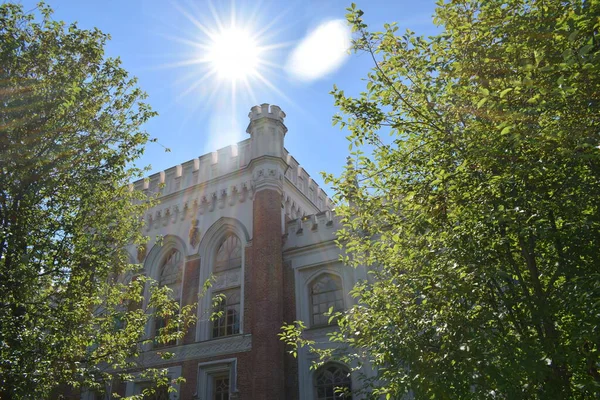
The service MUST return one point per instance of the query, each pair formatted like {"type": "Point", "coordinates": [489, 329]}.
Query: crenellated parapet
{"type": "Point", "coordinates": [292, 208]}
{"type": "Point", "coordinates": [199, 205]}
{"type": "Point", "coordinates": [306, 185]}
{"type": "Point", "coordinates": [261, 161]}
{"type": "Point", "coordinates": [266, 111]}
{"type": "Point", "coordinates": [198, 170]}
{"type": "Point", "coordinates": [311, 229]}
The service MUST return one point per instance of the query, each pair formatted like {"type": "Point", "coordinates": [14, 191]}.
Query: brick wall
{"type": "Point", "coordinates": [265, 297]}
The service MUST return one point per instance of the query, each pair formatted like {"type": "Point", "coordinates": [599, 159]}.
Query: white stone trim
{"type": "Point", "coordinates": [209, 348]}
{"type": "Point", "coordinates": [208, 369]}
{"type": "Point", "coordinates": [207, 250]}
{"type": "Point", "coordinates": [304, 277]}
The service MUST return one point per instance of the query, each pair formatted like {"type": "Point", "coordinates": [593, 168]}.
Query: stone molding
{"type": "Point", "coordinates": [198, 350]}
{"type": "Point", "coordinates": [200, 205]}
{"type": "Point", "coordinates": [267, 178]}
{"type": "Point", "coordinates": [316, 228]}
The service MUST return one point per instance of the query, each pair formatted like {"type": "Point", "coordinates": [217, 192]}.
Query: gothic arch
{"type": "Point", "coordinates": [328, 376]}
{"type": "Point", "coordinates": [218, 230]}
{"type": "Point", "coordinates": [209, 244]}
{"type": "Point", "coordinates": [159, 250]}
{"type": "Point", "coordinates": [152, 265]}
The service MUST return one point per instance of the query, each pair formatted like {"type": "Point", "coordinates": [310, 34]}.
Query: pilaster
{"type": "Point", "coordinates": [265, 274]}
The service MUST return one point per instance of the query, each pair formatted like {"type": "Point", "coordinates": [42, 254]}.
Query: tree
{"type": "Point", "coordinates": [70, 128]}
{"type": "Point", "coordinates": [480, 215]}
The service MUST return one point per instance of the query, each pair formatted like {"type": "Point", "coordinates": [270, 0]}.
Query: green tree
{"type": "Point", "coordinates": [70, 128]}
{"type": "Point", "coordinates": [480, 215]}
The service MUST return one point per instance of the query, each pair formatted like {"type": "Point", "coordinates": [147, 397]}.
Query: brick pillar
{"type": "Point", "coordinates": [266, 296]}
{"type": "Point", "coordinates": [189, 370]}
{"type": "Point", "coordinates": [265, 268]}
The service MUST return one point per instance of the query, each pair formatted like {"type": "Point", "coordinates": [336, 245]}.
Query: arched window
{"type": "Point", "coordinates": [170, 275]}
{"type": "Point", "coordinates": [332, 382]}
{"type": "Point", "coordinates": [325, 293]}
{"type": "Point", "coordinates": [227, 271]}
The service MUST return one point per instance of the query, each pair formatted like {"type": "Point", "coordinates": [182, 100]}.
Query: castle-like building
{"type": "Point", "coordinates": [250, 216]}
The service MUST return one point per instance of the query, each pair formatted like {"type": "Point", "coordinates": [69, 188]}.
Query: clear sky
{"type": "Point", "coordinates": [187, 56]}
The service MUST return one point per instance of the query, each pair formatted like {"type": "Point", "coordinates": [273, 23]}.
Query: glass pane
{"type": "Point", "coordinates": [221, 387]}
{"type": "Point", "coordinates": [326, 293]}
{"type": "Point", "coordinates": [229, 321]}
{"type": "Point", "coordinates": [229, 254]}
{"type": "Point", "coordinates": [333, 382]}
{"type": "Point", "coordinates": [170, 269]}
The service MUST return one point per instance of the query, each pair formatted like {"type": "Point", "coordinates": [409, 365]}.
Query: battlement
{"type": "Point", "coordinates": [262, 111]}
{"type": "Point", "coordinates": [198, 170]}
{"type": "Point", "coordinates": [236, 158]}
{"type": "Point", "coordinates": [298, 176]}
{"type": "Point", "coordinates": [311, 229]}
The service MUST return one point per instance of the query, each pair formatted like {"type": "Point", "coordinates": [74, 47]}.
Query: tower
{"type": "Point", "coordinates": [265, 269]}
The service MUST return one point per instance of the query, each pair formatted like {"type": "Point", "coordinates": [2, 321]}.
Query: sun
{"type": "Point", "coordinates": [233, 54]}
{"type": "Point", "coordinates": [228, 54]}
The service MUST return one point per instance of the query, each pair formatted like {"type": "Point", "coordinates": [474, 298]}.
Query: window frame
{"type": "Point", "coordinates": [207, 371]}
{"type": "Point", "coordinates": [215, 323]}
{"type": "Point", "coordinates": [311, 282]}
{"type": "Point", "coordinates": [153, 269]}
{"type": "Point", "coordinates": [207, 250]}
{"type": "Point", "coordinates": [223, 321]}
{"type": "Point", "coordinates": [340, 366]}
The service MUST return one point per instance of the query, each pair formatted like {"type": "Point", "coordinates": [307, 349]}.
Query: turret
{"type": "Point", "coordinates": [265, 288]}
{"type": "Point", "coordinates": [267, 130]}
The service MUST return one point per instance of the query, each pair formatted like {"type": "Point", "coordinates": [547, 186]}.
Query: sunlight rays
{"type": "Point", "coordinates": [225, 54]}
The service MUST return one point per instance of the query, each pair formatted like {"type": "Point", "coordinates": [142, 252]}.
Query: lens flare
{"type": "Point", "coordinates": [233, 54]}
{"type": "Point", "coordinates": [228, 56]}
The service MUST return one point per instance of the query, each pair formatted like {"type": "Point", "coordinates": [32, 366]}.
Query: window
{"type": "Point", "coordinates": [170, 271]}
{"type": "Point", "coordinates": [227, 270]}
{"type": "Point", "coordinates": [170, 276]}
{"type": "Point", "coordinates": [229, 255]}
{"type": "Point", "coordinates": [332, 382]}
{"type": "Point", "coordinates": [325, 293]}
{"type": "Point", "coordinates": [228, 323]}
{"type": "Point", "coordinates": [217, 380]}
{"type": "Point", "coordinates": [220, 384]}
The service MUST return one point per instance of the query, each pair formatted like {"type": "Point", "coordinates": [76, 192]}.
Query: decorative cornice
{"type": "Point", "coordinates": [199, 205]}
{"type": "Point", "coordinates": [199, 350]}
{"type": "Point", "coordinates": [267, 178]}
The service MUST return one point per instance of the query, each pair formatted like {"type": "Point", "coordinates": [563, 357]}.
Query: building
{"type": "Point", "coordinates": [250, 215]}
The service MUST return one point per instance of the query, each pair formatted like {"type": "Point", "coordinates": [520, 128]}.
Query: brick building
{"type": "Point", "coordinates": [250, 215]}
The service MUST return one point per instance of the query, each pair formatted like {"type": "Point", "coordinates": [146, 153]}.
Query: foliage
{"type": "Point", "coordinates": [479, 216]}
{"type": "Point", "coordinates": [70, 128]}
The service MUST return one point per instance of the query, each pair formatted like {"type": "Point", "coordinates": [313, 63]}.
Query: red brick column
{"type": "Point", "coordinates": [189, 370]}
{"type": "Point", "coordinates": [265, 288]}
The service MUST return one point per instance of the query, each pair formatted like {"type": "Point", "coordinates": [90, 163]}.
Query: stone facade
{"type": "Point", "coordinates": [252, 216]}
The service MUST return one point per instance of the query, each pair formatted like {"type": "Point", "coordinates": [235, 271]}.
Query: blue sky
{"type": "Point", "coordinates": [154, 38]}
